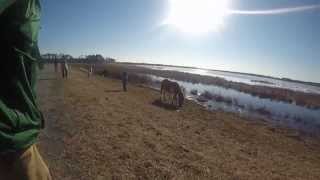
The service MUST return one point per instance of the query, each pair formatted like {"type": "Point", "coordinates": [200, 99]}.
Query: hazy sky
{"type": "Point", "coordinates": [275, 37]}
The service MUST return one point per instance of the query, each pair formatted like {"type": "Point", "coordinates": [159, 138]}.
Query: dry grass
{"type": "Point", "coordinates": [108, 134]}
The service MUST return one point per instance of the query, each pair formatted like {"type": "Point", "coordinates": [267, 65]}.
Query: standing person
{"type": "Point", "coordinates": [20, 117]}
{"type": "Point", "coordinates": [90, 70]}
{"type": "Point", "coordinates": [55, 65]}
{"type": "Point", "coordinates": [64, 69]}
{"type": "Point", "coordinates": [124, 81]}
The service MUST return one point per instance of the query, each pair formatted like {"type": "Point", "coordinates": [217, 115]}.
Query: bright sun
{"type": "Point", "coordinates": [197, 16]}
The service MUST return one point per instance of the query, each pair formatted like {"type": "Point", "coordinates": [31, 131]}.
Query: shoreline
{"type": "Point", "coordinates": [305, 123]}
{"type": "Point", "coordinates": [308, 100]}
{"type": "Point", "coordinates": [316, 84]}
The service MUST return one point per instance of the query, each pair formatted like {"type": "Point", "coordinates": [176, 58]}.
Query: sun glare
{"type": "Point", "coordinates": [197, 16]}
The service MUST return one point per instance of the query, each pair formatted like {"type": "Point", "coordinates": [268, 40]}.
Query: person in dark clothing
{"type": "Point", "coordinates": [20, 116]}
{"type": "Point", "coordinates": [124, 81]}
{"type": "Point", "coordinates": [55, 65]}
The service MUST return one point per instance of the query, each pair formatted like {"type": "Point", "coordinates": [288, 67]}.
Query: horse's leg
{"type": "Point", "coordinates": [176, 99]}
{"type": "Point", "coordinates": [172, 98]}
{"type": "Point", "coordinates": [162, 96]}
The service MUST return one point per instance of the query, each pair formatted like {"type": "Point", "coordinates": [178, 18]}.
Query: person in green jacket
{"type": "Point", "coordinates": [20, 117]}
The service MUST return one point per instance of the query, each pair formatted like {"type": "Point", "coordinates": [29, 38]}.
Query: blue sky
{"type": "Point", "coordinates": [281, 45]}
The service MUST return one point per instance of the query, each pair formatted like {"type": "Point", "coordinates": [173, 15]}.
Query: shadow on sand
{"type": "Point", "coordinates": [166, 106]}
{"type": "Point", "coordinates": [113, 91]}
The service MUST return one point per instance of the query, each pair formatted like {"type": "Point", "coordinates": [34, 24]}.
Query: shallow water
{"type": "Point", "coordinates": [280, 113]}
{"type": "Point", "coordinates": [247, 79]}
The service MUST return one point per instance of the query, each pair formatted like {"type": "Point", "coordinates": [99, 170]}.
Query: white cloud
{"type": "Point", "coordinates": [276, 11]}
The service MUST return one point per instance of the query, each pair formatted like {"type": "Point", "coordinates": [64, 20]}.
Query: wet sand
{"type": "Point", "coordinates": [96, 131]}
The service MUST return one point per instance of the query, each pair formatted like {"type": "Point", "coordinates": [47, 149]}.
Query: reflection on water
{"type": "Point", "coordinates": [289, 115]}
{"type": "Point", "coordinates": [243, 78]}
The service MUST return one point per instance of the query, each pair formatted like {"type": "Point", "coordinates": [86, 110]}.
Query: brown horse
{"type": "Point", "coordinates": [173, 90]}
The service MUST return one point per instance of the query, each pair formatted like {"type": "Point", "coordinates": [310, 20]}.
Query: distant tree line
{"type": "Point", "coordinates": [88, 59]}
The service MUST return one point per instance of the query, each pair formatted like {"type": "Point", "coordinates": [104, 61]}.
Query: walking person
{"type": "Point", "coordinates": [20, 117]}
{"type": "Point", "coordinates": [124, 81]}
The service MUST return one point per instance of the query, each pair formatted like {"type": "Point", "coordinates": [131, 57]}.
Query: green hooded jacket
{"type": "Point", "coordinates": [20, 117]}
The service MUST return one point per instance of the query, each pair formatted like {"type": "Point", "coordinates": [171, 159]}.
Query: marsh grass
{"type": "Point", "coordinates": [309, 100]}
